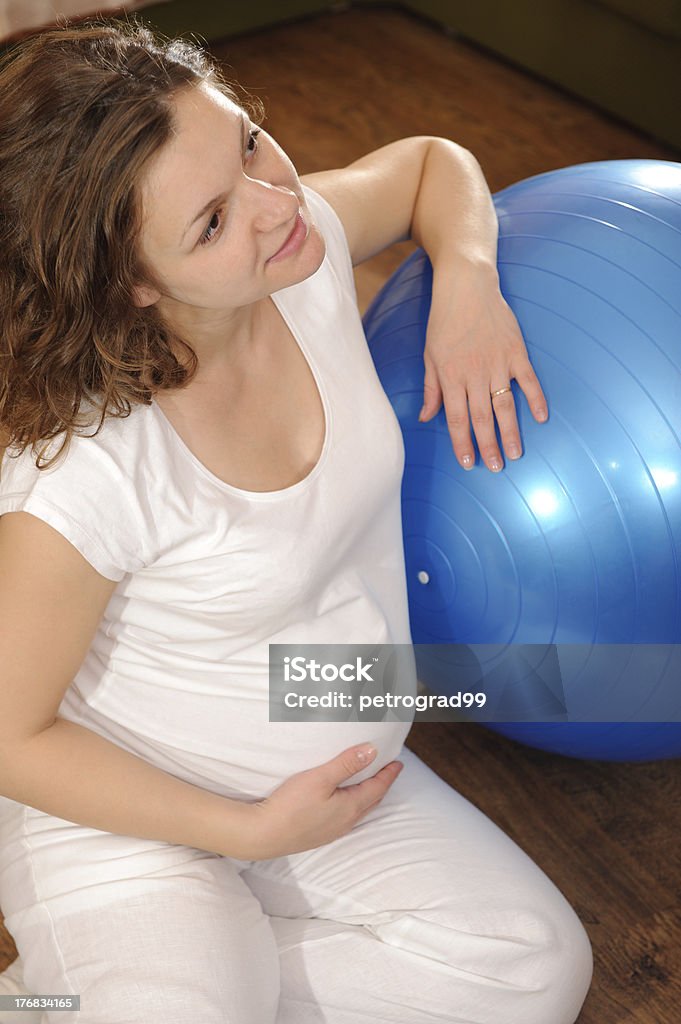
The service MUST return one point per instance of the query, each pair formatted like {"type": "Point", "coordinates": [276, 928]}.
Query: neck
{"type": "Point", "coordinates": [222, 342]}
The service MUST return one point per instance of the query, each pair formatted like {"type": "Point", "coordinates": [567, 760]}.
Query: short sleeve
{"type": "Point", "coordinates": [337, 248]}
{"type": "Point", "coordinates": [87, 497]}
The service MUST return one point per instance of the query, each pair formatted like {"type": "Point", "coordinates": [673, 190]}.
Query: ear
{"type": "Point", "coordinates": [145, 295]}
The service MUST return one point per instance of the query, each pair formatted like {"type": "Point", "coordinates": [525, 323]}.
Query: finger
{"type": "Point", "coordinates": [372, 791]}
{"type": "Point", "coordinates": [482, 418]}
{"type": "Point", "coordinates": [458, 424]}
{"type": "Point", "coordinates": [531, 388]}
{"type": "Point", "coordinates": [505, 412]}
{"type": "Point", "coordinates": [365, 810]}
{"type": "Point", "coordinates": [432, 393]}
{"type": "Point", "coordinates": [344, 765]}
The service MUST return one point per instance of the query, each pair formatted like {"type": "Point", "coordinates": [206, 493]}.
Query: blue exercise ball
{"type": "Point", "coordinates": [561, 575]}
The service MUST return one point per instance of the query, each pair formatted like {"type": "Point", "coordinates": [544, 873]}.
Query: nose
{"type": "Point", "coordinates": [273, 206]}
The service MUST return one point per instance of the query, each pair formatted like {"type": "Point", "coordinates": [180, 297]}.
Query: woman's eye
{"type": "Point", "coordinates": [212, 228]}
{"type": "Point", "coordinates": [252, 144]}
{"type": "Point", "coordinates": [215, 222]}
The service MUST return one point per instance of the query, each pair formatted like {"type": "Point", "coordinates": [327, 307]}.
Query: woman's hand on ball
{"type": "Point", "coordinates": [474, 346]}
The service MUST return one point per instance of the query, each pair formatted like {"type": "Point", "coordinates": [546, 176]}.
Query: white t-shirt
{"type": "Point", "coordinates": [209, 574]}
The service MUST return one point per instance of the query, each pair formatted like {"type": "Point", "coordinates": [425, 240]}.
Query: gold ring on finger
{"type": "Point", "coordinates": [500, 391]}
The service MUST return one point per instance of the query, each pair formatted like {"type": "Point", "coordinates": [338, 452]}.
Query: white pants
{"type": "Point", "coordinates": [426, 912]}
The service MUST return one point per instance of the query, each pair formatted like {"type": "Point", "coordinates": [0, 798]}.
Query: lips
{"type": "Point", "coordinates": [293, 242]}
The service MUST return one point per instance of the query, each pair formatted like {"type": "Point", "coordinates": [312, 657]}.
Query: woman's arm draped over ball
{"type": "Point", "coordinates": [433, 191]}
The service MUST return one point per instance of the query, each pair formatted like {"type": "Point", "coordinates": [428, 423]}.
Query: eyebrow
{"type": "Point", "coordinates": [223, 195]}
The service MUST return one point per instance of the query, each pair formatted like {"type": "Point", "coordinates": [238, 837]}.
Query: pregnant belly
{"type": "Point", "coordinates": [256, 756]}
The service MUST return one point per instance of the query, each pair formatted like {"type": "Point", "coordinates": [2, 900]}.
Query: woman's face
{"type": "Point", "coordinates": [225, 222]}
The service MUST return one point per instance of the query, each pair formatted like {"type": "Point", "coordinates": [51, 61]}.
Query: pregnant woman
{"type": "Point", "coordinates": [200, 461]}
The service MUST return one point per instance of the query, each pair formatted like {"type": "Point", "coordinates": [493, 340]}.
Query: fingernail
{"type": "Point", "coordinates": [422, 414]}
{"type": "Point", "coordinates": [513, 451]}
{"type": "Point", "coordinates": [467, 461]}
{"type": "Point", "coordinates": [542, 415]}
{"type": "Point", "coordinates": [366, 753]}
{"type": "Point", "coordinates": [495, 465]}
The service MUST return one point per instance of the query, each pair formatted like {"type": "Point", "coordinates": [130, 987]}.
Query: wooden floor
{"type": "Point", "coordinates": [335, 87]}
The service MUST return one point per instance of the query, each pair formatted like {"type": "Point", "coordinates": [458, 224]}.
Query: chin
{"type": "Point", "coordinates": [306, 261]}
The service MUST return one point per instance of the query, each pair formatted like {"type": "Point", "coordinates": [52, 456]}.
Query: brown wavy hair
{"type": "Point", "coordinates": [82, 109]}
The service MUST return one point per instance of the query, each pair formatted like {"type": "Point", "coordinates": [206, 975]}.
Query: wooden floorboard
{"type": "Point", "coordinates": [335, 87]}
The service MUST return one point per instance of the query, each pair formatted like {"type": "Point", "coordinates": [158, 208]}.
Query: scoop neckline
{"type": "Point", "coordinates": [300, 485]}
